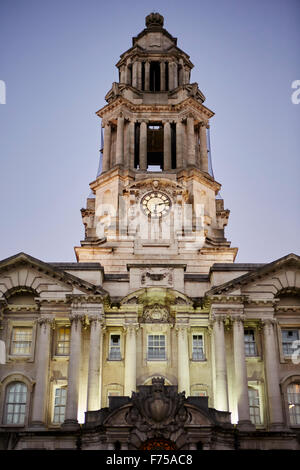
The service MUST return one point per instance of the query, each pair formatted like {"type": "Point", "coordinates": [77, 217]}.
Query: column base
{"type": "Point", "coordinates": [70, 425]}
{"type": "Point", "coordinates": [37, 426]}
{"type": "Point", "coordinates": [277, 427]}
{"type": "Point", "coordinates": [245, 426]}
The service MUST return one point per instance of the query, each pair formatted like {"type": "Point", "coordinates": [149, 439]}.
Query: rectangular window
{"type": "Point", "coordinates": [288, 337]}
{"type": "Point", "coordinates": [156, 347]}
{"type": "Point", "coordinates": [198, 351]}
{"type": "Point", "coordinates": [250, 345]}
{"type": "Point", "coordinates": [60, 400]}
{"type": "Point", "coordinates": [254, 405]}
{"type": "Point", "coordinates": [115, 348]}
{"type": "Point", "coordinates": [63, 341]}
{"type": "Point", "coordinates": [21, 341]}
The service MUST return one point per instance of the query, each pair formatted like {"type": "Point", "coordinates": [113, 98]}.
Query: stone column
{"type": "Point", "coordinates": [130, 140]}
{"type": "Point", "coordinates": [162, 76]}
{"type": "Point", "coordinates": [186, 75]}
{"type": "Point", "coordinates": [183, 360]}
{"type": "Point", "coordinates": [241, 381]}
{"type": "Point", "coordinates": [71, 421]}
{"type": "Point", "coordinates": [147, 76]}
{"type": "Point", "coordinates": [143, 145]}
{"type": "Point", "coordinates": [171, 75]}
{"type": "Point", "coordinates": [221, 392]}
{"type": "Point", "coordinates": [42, 371]}
{"type": "Point", "coordinates": [203, 148]}
{"type": "Point", "coordinates": [175, 75]}
{"type": "Point", "coordinates": [94, 390]}
{"type": "Point", "coordinates": [191, 157]}
{"type": "Point", "coordinates": [122, 74]}
{"type": "Point", "coordinates": [130, 361]}
{"type": "Point", "coordinates": [120, 141]}
{"type": "Point", "coordinates": [135, 74]}
{"type": "Point", "coordinates": [272, 376]}
{"type": "Point", "coordinates": [106, 149]}
{"type": "Point", "coordinates": [180, 73]}
{"type": "Point", "coordinates": [167, 146]}
{"type": "Point", "coordinates": [179, 142]}
{"type": "Point", "coordinates": [139, 75]}
{"type": "Point", "coordinates": [128, 80]}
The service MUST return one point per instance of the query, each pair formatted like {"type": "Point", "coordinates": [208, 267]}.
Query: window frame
{"type": "Point", "coordinates": [290, 380]}
{"type": "Point", "coordinates": [13, 342]}
{"type": "Point", "coordinates": [287, 328]}
{"type": "Point", "coordinates": [251, 328]}
{"type": "Point", "coordinates": [55, 388]}
{"type": "Point", "coordinates": [15, 323]}
{"type": "Point", "coordinates": [196, 333]}
{"type": "Point", "coordinates": [14, 404]}
{"type": "Point", "coordinates": [7, 381]}
{"type": "Point", "coordinates": [111, 334]}
{"type": "Point", "coordinates": [59, 325]}
{"type": "Point", "coordinates": [158, 359]}
{"type": "Point", "coordinates": [259, 387]}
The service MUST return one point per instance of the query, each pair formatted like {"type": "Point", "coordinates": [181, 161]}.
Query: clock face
{"type": "Point", "coordinates": [156, 204]}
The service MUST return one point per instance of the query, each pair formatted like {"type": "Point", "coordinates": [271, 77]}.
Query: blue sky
{"type": "Point", "coordinates": [58, 59]}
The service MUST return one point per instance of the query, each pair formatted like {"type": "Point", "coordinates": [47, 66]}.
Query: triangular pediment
{"type": "Point", "coordinates": [268, 280]}
{"type": "Point", "coordinates": [24, 271]}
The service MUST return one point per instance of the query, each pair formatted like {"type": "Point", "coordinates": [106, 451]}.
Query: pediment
{"type": "Point", "coordinates": [267, 282]}
{"type": "Point", "coordinates": [23, 272]}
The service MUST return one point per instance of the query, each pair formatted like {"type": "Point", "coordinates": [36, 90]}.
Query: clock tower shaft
{"type": "Point", "coordinates": [155, 145]}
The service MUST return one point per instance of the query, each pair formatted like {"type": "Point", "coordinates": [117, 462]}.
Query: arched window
{"type": "Point", "coordinates": [293, 395]}
{"type": "Point", "coordinates": [15, 403]}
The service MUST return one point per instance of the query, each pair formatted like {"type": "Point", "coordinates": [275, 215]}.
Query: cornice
{"type": "Point", "coordinates": [153, 108]}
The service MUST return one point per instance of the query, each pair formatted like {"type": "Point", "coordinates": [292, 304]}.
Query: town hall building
{"type": "Point", "coordinates": [155, 338]}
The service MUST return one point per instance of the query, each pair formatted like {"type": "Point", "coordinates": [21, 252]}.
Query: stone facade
{"type": "Point", "coordinates": [155, 337]}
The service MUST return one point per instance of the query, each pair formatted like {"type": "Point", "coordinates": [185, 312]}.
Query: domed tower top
{"type": "Point", "coordinates": [154, 20]}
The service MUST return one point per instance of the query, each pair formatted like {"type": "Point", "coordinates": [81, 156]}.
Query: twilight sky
{"type": "Point", "coordinates": [57, 59]}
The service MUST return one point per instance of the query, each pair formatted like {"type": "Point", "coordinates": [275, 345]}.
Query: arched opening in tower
{"type": "Point", "coordinates": [155, 147]}
{"type": "Point", "coordinates": [154, 76]}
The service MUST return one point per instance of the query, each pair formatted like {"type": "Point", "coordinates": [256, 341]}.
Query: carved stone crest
{"type": "Point", "coordinates": [158, 409]}
{"type": "Point", "coordinates": [156, 313]}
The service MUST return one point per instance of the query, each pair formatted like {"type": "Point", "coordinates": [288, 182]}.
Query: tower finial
{"type": "Point", "coordinates": [154, 19]}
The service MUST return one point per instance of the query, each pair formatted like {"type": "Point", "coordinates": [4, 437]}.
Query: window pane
{"type": "Point", "coordinates": [250, 345]}
{"type": "Point", "coordinates": [156, 347]}
{"type": "Point", "coordinates": [16, 398]}
{"type": "Point", "coordinates": [115, 348]}
{"type": "Point", "coordinates": [63, 341]}
{"type": "Point", "coordinates": [21, 341]}
{"type": "Point", "coordinates": [59, 405]}
{"type": "Point", "coordinates": [288, 337]}
{"type": "Point", "coordinates": [254, 405]}
{"type": "Point", "coordinates": [294, 403]}
{"type": "Point", "coordinates": [198, 352]}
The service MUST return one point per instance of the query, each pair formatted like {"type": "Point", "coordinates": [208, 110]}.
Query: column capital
{"type": "Point", "coordinates": [76, 317]}
{"type": "Point", "coordinates": [95, 318]}
{"type": "Point", "coordinates": [218, 318]}
{"type": "Point", "coordinates": [181, 327]}
{"type": "Point", "coordinates": [131, 328]}
{"type": "Point", "coordinates": [46, 320]}
{"type": "Point", "coordinates": [237, 318]}
{"type": "Point", "coordinates": [268, 324]}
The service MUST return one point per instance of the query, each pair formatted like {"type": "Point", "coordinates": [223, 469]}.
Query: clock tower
{"type": "Point", "coordinates": [155, 201]}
